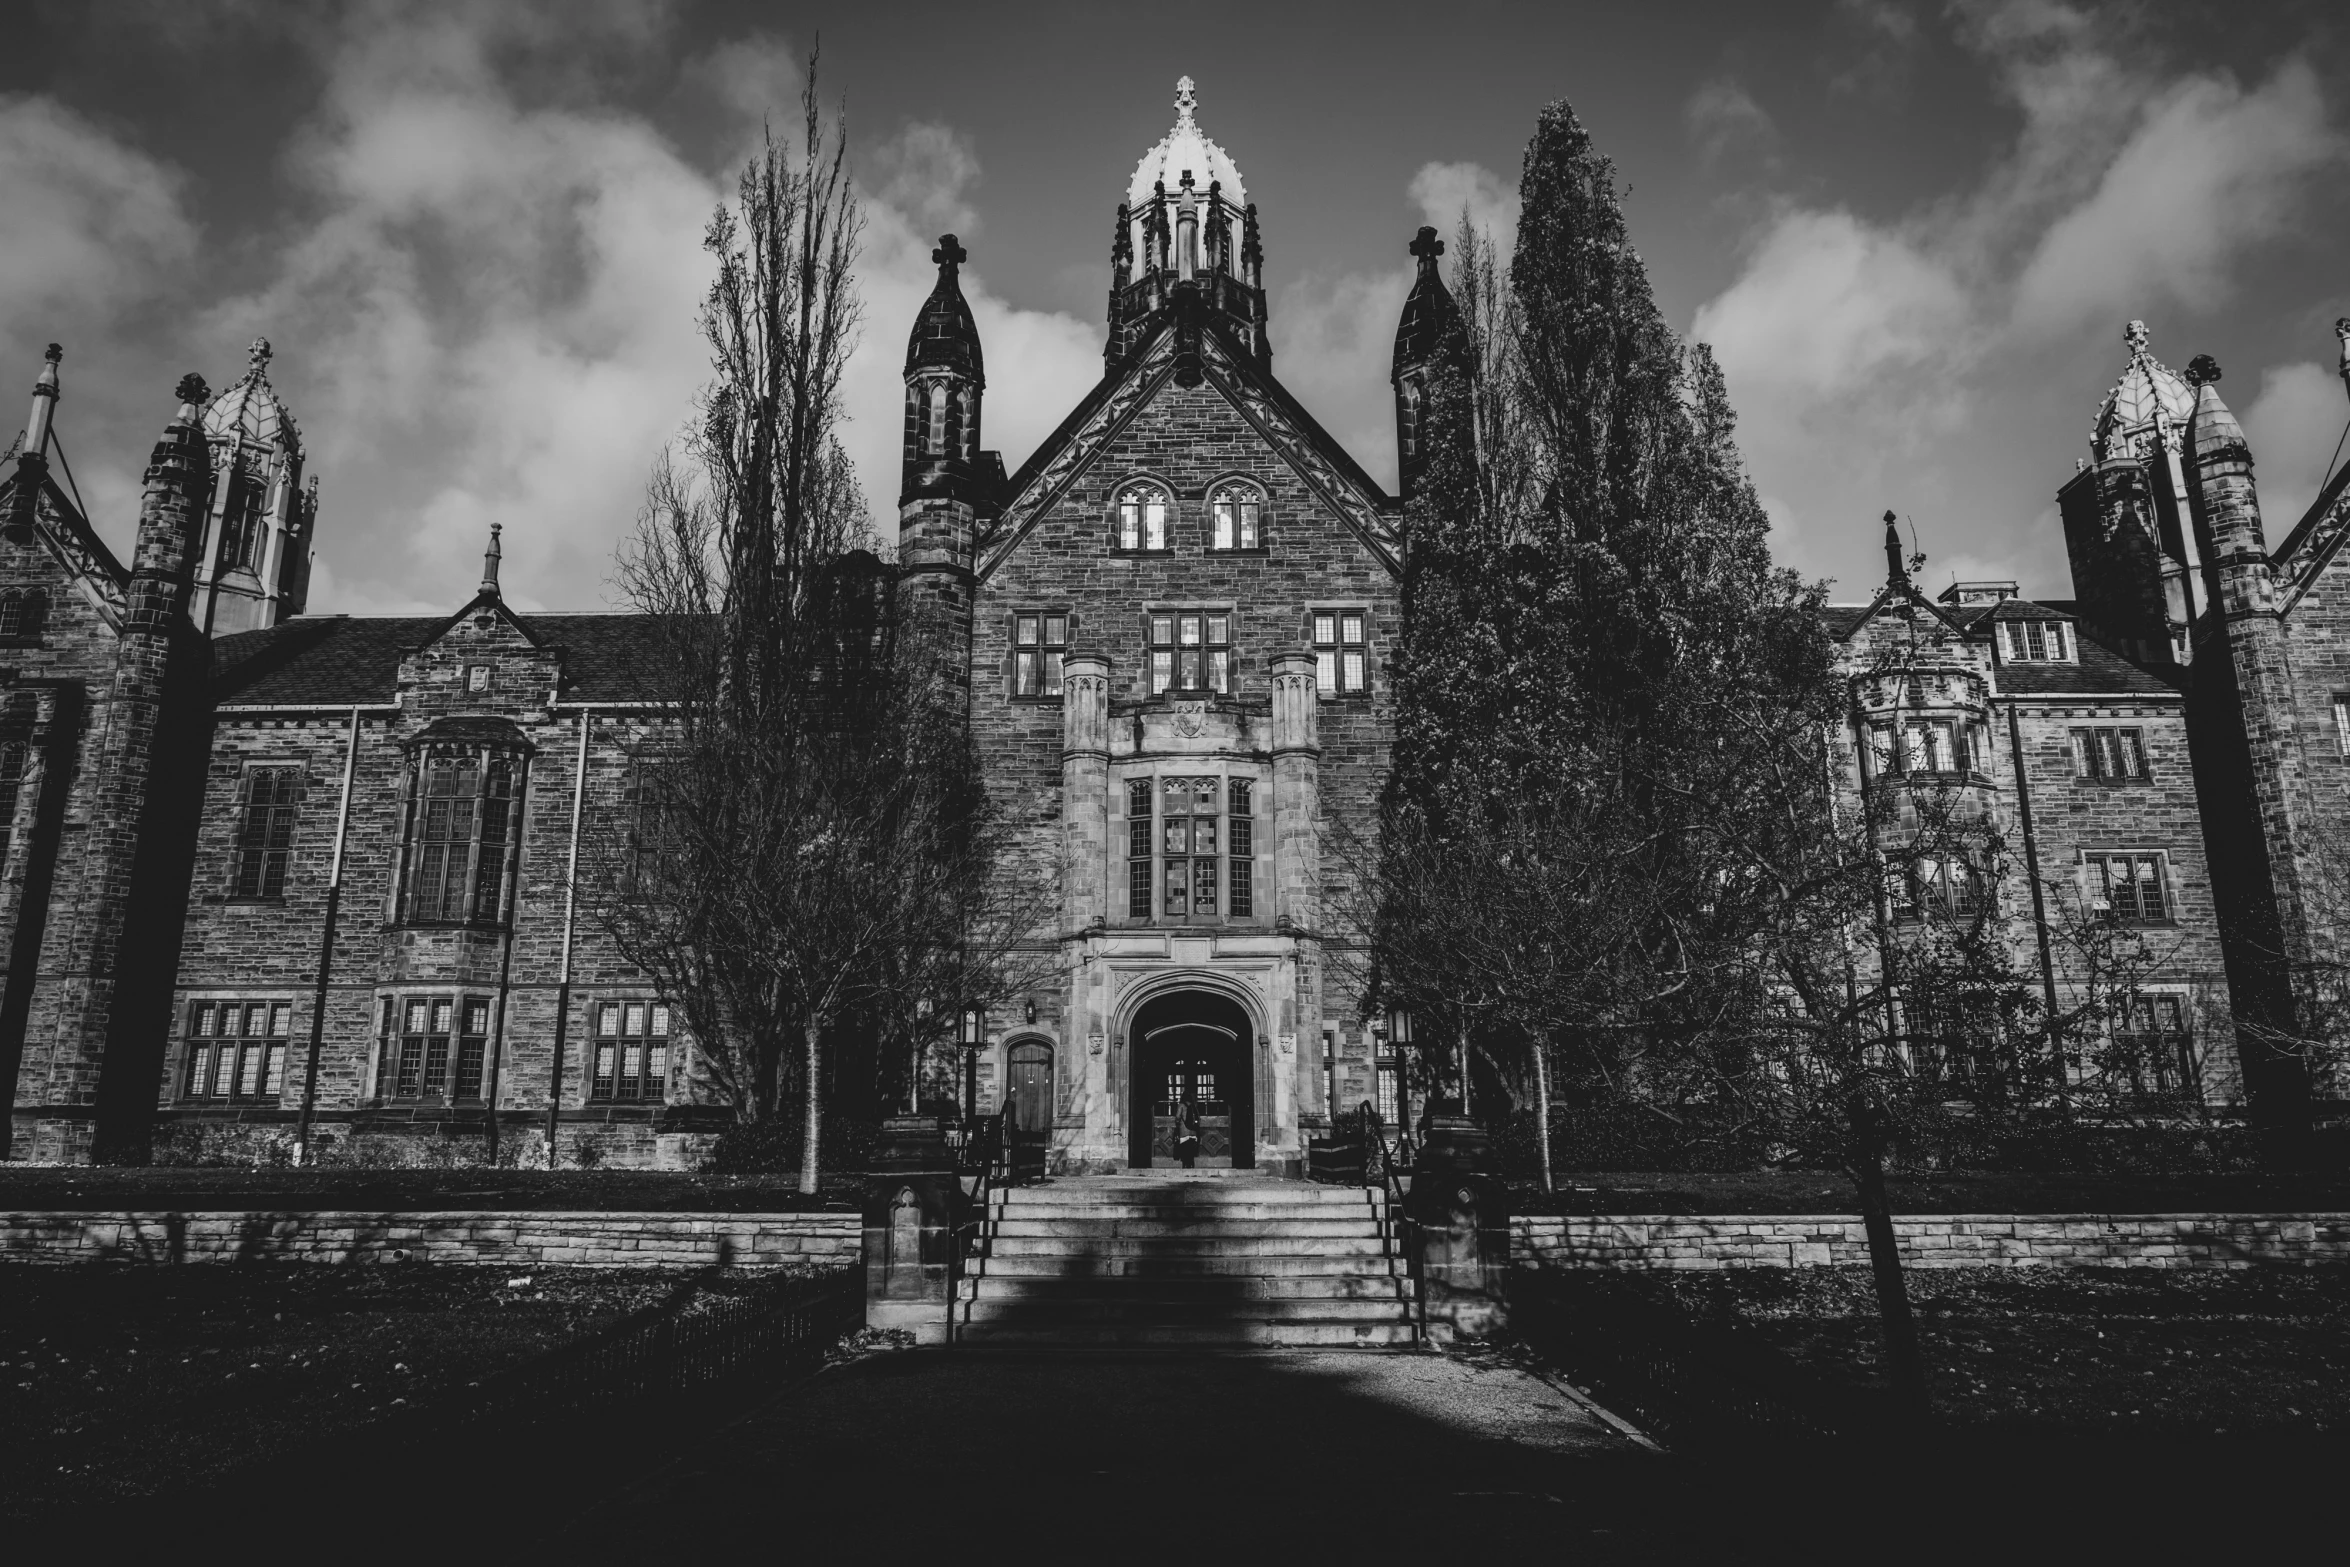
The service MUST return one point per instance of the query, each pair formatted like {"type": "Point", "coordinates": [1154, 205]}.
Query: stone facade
{"type": "Point", "coordinates": [274, 878]}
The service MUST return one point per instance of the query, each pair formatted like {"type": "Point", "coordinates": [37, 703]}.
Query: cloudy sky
{"type": "Point", "coordinates": [1912, 231]}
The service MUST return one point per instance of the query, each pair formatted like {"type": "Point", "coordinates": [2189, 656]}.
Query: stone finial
{"type": "Point", "coordinates": [2136, 335]}
{"type": "Point", "coordinates": [257, 357]}
{"type": "Point", "coordinates": [1895, 571]}
{"type": "Point", "coordinates": [950, 252]}
{"type": "Point", "coordinates": [1186, 100]}
{"type": "Point", "coordinates": [2341, 330]}
{"type": "Point", "coordinates": [53, 354]}
{"type": "Point", "coordinates": [192, 393]}
{"type": "Point", "coordinates": [2202, 370]}
{"type": "Point", "coordinates": [1426, 246]}
{"type": "Point", "coordinates": [489, 561]}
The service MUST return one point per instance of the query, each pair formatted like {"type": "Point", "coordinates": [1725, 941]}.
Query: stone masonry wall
{"type": "Point", "coordinates": [514, 1240]}
{"type": "Point", "coordinates": [2067, 1240]}
{"type": "Point", "coordinates": [1188, 440]}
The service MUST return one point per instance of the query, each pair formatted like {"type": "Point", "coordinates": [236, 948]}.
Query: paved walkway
{"type": "Point", "coordinates": [1053, 1456]}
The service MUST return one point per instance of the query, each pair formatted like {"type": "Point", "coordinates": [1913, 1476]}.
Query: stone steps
{"type": "Point", "coordinates": [1233, 1261]}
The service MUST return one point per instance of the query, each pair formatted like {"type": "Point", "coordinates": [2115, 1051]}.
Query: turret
{"type": "Point", "coordinates": [1428, 332]}
{"type": "Point", "coordinates": [2226, 500]}
{"type": "Point", "coordinates": [178, 479]}
{"type": "Point", "coordinates": [949, 482]}
{"type": "Point", "coordinates": [945, 378]}
{"type": "Point", "coordinates": [1176, 227]}
{"type": "Point", "coordinates": [32, 457]}
{"type": "Point", "coordinates": [2137, 565]}
{"type": "Point", "coordinates": [253, 561]}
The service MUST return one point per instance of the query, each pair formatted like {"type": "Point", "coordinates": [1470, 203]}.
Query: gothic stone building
{"type": "Point", "coordinates": [271, 876]}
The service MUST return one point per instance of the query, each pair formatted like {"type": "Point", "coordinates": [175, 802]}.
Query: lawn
{"type": "Point", "coordinates": [119, 1382]}
{"type": "Point", "coordinates": [2105, 1352]}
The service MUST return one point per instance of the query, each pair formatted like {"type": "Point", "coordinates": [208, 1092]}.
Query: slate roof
{"type": "Point", "coordinates": [339, 660]}
{"type": "Point", "coordinates": [2099, 672]}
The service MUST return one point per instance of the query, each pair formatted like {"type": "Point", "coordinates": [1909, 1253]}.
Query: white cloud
{"type": "Point", "coordinates": [1826, 301]}
{"type": "Point", "coordinates": [1444, 191]}
{"type": "Point", "coordinates": [1724, 121]}
{"type": "Point", "coordinates": [1866, 353]}
{"type": "Point", "coordinates": [89, 222]}
{"type": "Point", "coordinates": [2211, 172]}
{"type": "Point", "coordinates": [2294, 425]}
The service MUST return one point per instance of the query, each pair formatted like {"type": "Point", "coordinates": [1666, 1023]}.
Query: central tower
{"type": "Point", "coordinates": [1187, 236]}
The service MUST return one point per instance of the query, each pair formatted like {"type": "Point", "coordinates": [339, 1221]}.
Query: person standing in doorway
{"type": "Point", "coordinates": [1187, 1134]}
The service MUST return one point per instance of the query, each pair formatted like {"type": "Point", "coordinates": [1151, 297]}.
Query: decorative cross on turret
{"type": "Point", "coordinates": [950, 252]}
{"type": "Point", "coordinates": [1427, 247]}
{"type": "Point", "coordinates": [257, 356]}
{"type": "Point", "coordinates": [1186, 100]}
{"type": "Point", "coordinates": [2341, 330]}
{"type": "Point", "coordinates": [2136, 336]}
{"type": "Point", "coordinates": [2202, 370]}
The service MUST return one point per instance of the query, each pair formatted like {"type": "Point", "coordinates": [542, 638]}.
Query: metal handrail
{"type": "Point", "coordinates": [1383, 1166]}
{"type": "Point", "coordinates": [983, 1157]}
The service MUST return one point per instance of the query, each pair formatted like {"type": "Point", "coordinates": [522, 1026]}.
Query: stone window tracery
{"type": "Point", "coordinates": [1142, 518]}
{"type": "Point", "coordinates": [464, 808]}
{"type": "Point", "coordinates": [1236, 518]}
{"type": "Point", "coordinates": [434, 1047]}
{"type": "Point", "coordinates": [22, 615]}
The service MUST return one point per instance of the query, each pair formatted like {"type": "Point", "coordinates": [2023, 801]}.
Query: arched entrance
{"type": "Point", "coordinates": [1028, 1085]}
{"type": "Point", "coordinates": [1198, 1048]}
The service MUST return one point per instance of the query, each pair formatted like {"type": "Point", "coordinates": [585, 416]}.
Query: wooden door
{"type": "Point", "coordinates": [1028, 1086]}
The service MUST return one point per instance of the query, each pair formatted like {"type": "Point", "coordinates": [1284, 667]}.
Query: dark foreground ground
{"type": "Point", "coordinates": [2210, 1411]}
{"type": "Point", "coordinates": [37, 1189]}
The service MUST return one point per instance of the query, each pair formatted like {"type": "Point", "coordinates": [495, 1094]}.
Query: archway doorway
{"type": "Point", "coordinates": [1198, 1049]}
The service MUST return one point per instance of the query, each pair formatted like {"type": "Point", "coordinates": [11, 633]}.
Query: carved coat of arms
{"type": "Point", "coordinates": [1191, 719]}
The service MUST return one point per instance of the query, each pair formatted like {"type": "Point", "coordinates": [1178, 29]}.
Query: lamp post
{"type": "Point", "coordinates": [973, 1020]}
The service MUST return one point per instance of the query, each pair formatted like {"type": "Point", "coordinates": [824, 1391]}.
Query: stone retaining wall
{"type": "Point", "coordinates": [752, 1240]}
{"type": "Point", "coordinates": [2168, 1240]}
{"type": "Point", "coordinates": [2064, 1240]}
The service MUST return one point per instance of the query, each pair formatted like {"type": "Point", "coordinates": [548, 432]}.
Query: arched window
{"type": "Point", "coordinates": [463, 809]}
{"type": "Point", "coordinates": [21, 615]}
{"type": "Point", "coordinates": [1235, 515]}
{"type": "Point", "coordinates": [934, 439]}
{"type": "Point", "coordinates": [1142, 518]}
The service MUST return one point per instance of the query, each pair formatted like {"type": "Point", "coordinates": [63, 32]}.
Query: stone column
{"type": "Point", "coordinates": [1297, 873]}
{"type": "Point", "coordinates": [1085, 788]}
{"type": "Point", "coordinates": [1085, 861]}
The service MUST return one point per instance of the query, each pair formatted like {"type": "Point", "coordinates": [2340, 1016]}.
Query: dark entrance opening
{"type": "Point", "coordinates": [1193, 1048]}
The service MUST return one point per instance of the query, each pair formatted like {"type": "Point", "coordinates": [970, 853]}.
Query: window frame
{"type": "Point", "coordinates": [24, 617]}
{"type": "Point", "coordinates": [2342, 725]}
{"type": "Point", "coordinates": [261, 1057]}
{"type": "Point", "coordinates": [2058, 642]}
{"type": "Point", "coordinates": [1330, 667]}
{"type": "Point", "coordinates": [2092, 749]}
{"type": "Point", "coordinates": [485, 832]}
{"type": "Point", "coordinates": [270, 853]}
{"type": "Point", "coordinates": [1245, 497]}
{"type": "Point", "coordinates": [1151, 852]}
{"type": "Point", "coordinates": [2097, 869]}
{"type": "Point", "coordinates": [451, 1029]}
{"type": "Point", "coordinates": [609, 1052]}
{"type": "Point", "coordinates": [1202, 652]}
{"type": "Point", "coordinates": [1139, 491]}
{"type": "Point", "coordinates": [16, 770]}
{"type": "Point", "coordinates": [1040, 654]}
{"type": "Point", "coordinates": [2169, 1050]}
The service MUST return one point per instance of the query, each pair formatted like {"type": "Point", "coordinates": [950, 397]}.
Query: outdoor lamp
{"type": "Point", "coordinates": [1399, 1027]}
{"type": "Point", "coordinates": [973, 1020]}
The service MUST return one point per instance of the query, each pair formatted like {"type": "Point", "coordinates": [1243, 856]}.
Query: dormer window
{"type": "Point", "coordinates": [1234, 518]}
{"type": "Point", "coordinates": [2036, 642]}
{"type": "Point", "coordinates": [1142, 518]}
